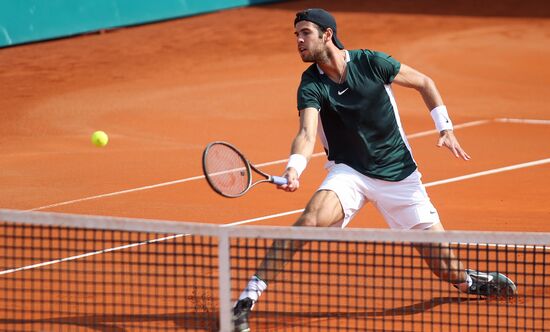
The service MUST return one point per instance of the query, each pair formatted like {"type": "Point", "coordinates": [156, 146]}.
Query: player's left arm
{"type": "Point", "coordinates": [411, 78]}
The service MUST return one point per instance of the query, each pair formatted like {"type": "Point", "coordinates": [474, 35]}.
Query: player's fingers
{"type": "Point", "coordinates": [463, 154]}
{"type": "Point", "coordinates": [292, 185]}
{"type": "Point", "coordinates": [448, 140]}
{"type": "Point", "coordinates": [458, 151]}
{"type": "Point", "coordinates": [455, 151]}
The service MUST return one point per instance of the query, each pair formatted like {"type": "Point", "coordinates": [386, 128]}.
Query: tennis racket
{"type": "Point", "coordinates": [229, 173]}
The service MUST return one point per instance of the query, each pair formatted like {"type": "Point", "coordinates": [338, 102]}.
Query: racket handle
{"type": "Point", "coordinates": [278, 180]}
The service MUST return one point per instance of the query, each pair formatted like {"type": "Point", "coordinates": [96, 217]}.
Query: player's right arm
{"type": "Point", "coordinates": [411, 78]}
{"type": "Point", "coordinates": [303, 144]}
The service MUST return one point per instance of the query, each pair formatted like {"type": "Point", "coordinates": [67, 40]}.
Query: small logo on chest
{"type": "Point", "coordinates": [342, 92]}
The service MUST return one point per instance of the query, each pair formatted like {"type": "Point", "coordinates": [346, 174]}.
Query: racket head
{"type": "Point", "coordinates": [226, 169]}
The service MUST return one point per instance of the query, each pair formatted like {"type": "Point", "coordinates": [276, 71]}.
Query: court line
{"type": "Point", "coordinates": [88, 254]}
{"type": "Point", "coordinates": [523, 121]}
{"type": "Point", "coordinates": [277, 215]}
{"type": "Point", "coordinates": [492, 171]}
{"type": "Point", "coordinates": [131, 245]}
{"type": "Point", "coordinates": [276, 162]}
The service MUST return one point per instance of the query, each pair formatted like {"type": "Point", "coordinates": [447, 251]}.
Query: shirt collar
{"type": "Point", "coordinates": [346, 53]}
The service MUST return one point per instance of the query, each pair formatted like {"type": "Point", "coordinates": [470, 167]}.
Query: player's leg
{"type": "Point", "coordinates": [441, 259]}
{"type": "Point", "coordinates": [406, 205]}
{"type": "Point", "coordinates": [447, 267]}
{"type": "Point", "coordinates": [334, 204]}
{"type": "Point", "coordinates": [324, 209]}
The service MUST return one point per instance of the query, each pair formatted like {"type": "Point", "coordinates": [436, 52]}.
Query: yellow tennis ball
{"type": "Point", "coordinates": [100, 138]}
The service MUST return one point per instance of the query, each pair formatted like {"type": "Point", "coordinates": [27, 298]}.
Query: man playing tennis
{"type": "Point", "coordinates": [346, 98]}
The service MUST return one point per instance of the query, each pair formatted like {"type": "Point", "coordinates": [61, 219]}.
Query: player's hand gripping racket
{"type": "Point", "coordinates": [229, 173]}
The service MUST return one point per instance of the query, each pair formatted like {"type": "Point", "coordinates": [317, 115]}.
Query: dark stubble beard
{"type": "Point", "coordinates": [318, 57]}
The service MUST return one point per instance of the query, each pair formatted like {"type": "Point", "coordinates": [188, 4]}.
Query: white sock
{"type": "Point", "coordinates": [254, 289]}
{"type": "Point", "coordinates": [464, 286]}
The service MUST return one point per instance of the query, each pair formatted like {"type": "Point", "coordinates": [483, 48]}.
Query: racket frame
{"type": "Point", "coordinates": [249, 168]}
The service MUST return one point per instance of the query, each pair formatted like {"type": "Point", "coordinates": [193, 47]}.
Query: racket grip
{"type": "Point", "coordinates": [279, 180]}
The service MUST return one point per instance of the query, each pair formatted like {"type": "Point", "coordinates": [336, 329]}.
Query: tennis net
{"type": "Point", "coordinates": [76, 272]}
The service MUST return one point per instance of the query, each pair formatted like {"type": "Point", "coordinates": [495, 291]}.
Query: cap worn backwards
{"type": "Point", "coordinates": [323, 19]}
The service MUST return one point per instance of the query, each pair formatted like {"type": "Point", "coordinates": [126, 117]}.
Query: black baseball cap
{"type": "Point", "coordinates": [323, 19]}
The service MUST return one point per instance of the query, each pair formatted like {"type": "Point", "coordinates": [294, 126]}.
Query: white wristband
{"type": "Point", "coordinates": [441, 118]}
{"type": "Point", "coordinates": [298, 162]}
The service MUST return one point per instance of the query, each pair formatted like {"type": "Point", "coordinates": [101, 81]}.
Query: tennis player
{"type": "Point", "coordinates": [345, 97]}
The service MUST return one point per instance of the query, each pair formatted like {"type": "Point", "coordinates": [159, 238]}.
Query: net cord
{"type": "Point", "coordinates": [275, 232]}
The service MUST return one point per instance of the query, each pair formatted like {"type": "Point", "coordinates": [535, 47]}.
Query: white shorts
{"type": "Point", "coordinates": [404, 204]}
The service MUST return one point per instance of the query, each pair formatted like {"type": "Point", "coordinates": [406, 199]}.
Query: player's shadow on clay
{"type": "Point", "coordinates": [208, 321]}
{"type": "Point", "coordinates": [293, 319]}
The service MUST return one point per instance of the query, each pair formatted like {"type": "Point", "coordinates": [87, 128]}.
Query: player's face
{"type": "Point", "coordinates": [310, 44]}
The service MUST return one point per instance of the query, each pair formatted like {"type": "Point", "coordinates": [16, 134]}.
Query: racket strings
{"type": "Point", "coordinates": [226, 170]}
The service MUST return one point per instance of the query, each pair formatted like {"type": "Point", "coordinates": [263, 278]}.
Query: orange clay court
{"type": "Point", "coordinates": [163, 91]}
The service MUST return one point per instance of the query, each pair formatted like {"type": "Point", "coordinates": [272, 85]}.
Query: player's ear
{"type": "Point", "coordinates": [327, 35]}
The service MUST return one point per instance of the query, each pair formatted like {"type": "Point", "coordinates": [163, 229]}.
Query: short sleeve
{"type": "Point", "coordinates": [384, 66]}
{"type": "Point", "coordinates": [308, 94]}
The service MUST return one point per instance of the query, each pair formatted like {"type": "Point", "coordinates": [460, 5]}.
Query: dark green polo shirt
{"type": "Point", "coordinates": [358, 117]}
